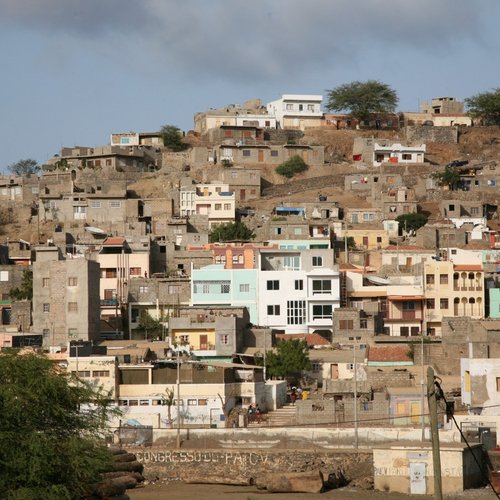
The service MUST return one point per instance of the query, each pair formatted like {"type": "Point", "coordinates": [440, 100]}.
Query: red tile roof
{"type": "Point", "coordinates": [389, 353]}
{"type": "Point", "coordinates": [115, 241]}
{"type": "Point", "coordinates": [468, 267]}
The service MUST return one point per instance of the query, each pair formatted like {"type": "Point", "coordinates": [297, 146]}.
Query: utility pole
{"type": "Point", "coordinates": [178, 400]}
{"type": "Point", "coordinates": [422, 387]}
{"type": "Point", "coordinates": [436, 459]}
{"type": "Point", "coordinates": [355, 399]}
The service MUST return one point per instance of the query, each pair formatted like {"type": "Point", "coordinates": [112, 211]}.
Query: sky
{"type": "Point", "coordinates": [75, 71]}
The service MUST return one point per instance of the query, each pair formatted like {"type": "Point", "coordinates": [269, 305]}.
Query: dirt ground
{"type": "Point", "coordinates": [181, 491]}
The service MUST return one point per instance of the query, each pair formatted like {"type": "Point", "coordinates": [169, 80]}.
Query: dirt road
{"type": "Point", "coordinates": [181, 491]}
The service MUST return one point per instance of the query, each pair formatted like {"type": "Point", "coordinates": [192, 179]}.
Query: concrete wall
{"type": "Point", "coordinates": [298, 438]}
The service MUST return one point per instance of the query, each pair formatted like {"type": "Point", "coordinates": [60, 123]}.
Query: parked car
{"type": "Point", "coordinates": [458, 163]}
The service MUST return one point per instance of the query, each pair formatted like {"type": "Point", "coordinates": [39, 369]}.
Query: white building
{"type": "Point", "coordinates": [214, 200]}
{"type": "Point", "coordinates": [480, 383]}
{"type": "Point", "coordinates": [397, 153]}
{"type": "Point", "coordinates": [297, 289]}
{"type": "Point", "coordinates": [298, 111]}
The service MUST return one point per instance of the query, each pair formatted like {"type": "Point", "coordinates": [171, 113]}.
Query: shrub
{"type": "Point", "coordinates": [291, 167]}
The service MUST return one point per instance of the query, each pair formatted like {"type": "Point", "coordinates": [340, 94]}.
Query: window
{"type": "Point", "coordinates": [443, 279]}
{"type": "Point", "coordinates": [404, 331]}
{"type": "Point", "coordinates": [4, 275]}
{"type": "Point", "coordinates": [46, 308]}
{"type": "Point", "coordinates": [115, 204]}
{"type": "Point", "coordinates": [273, 285]}
{"type": "Point", "coordinates": [45, 282]}
{"type": "Point", "coordinates": [224, 339]}
{"type": "Point", "coordinates": [173, 289]}
{"type": "Point", "coordinates": [368, 216]}
{"type": "Point", "coordinates": [135, 271]}
{"type": "Point", "coordinates": [310, 107]}
{"type": "Point", "coordinates": [143, 289]}
{"type": "Point", "coordinates": [363, 323]}
{"type": "Point", "coordinates": [100, 373]}
{"type": "Point", "coordinates": [73, 307]}
{"type": "Point", "coordinates": [246, 152]}
{"type": "Point", "coordinates": [296, 312]}
{"type": "Point", "coordinates": [299, 284]}
{"type": "Point", "coordinates": [277, 230]}
{"type": "Point", "coordinates": [72, 281]}
{"type": "Point", "coordinates": [429, 279]}
{"type": "Point", "coordinates": [274, 152]}
{"type": "Point", "coordinates": [218, 206]}
{"type": "Point", "coordinates": [322, 311]}
{"type": "Point", "coordinates": [408, 305]}
{"type": "Point", "coordinates": [346, 324]}
{"type": "Point", "coordinates": [443, 303]}
{"type": "Point", "coordinates": [84, 373]}
{"type": "Point", "coordinates": [227, 206]}
{"type": "Point", "coordinates": [184, 339]}
{"type": "Point", "coordinates": [317, 261]}
{"type": "Point", "coordinates": [45, 333]}
{"type": "Point", "coordinates": [316, 366]}
{"type": "Point", "coordinates": [498, 384]}
{"type": "Point", "coordinates": [406, 156]}
{"type": "Point", "coordinates": [95, 204]}
{"type": "Point", "coordinates": [273, 310]}
{"type": "Point", "coordinates": [291, 262]}
{"type": "Point", "coordinates": [322, 286]}
{"type": "Point", "coordinates": [202, 402]}
{"type": "Point", "coordinates": [430, 304]}
{"type": "Point", "coordinates": [225, 288]}
{"type": "Point", "coordinates": [289, 107]}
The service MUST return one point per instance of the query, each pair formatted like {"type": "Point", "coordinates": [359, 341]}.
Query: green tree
{"type": "Point", "coordinates": [449, 177]}
{"type": "Point", "coordinates": [290, 357]}
{"type": "Point", "coordinates": [24, 167]}
{"type": "Point", "coordinates": [231, 231]}
{"type": "Point", "coordinates": [51, 430]}
{"type": "Point", "coordinates": [150, 326]}
{"type": "Point", "coordinates": [172, 138]}
{"type": "Point", "coordinates": [25, 291]}
{"type": "Point", "coordinates": [362, 98]}
{"type": "Point", "coordinates": [485, 106]}
{"type": "Point", "coordinates": [292, 166]}
{"type": "Point", "coordinates": [412, 222]}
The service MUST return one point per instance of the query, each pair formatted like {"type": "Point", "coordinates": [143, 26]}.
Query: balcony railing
{"type": "Point", "coordinates": [109, 302]}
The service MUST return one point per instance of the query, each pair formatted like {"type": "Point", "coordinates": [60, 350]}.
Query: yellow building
{"type": "Point", "coordinates": [369, 237]}
{"type": "Point", "coordinates": [452, 290]}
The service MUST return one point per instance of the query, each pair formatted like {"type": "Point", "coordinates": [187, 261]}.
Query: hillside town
{"type": "Point", "coordinates": [178, 274]}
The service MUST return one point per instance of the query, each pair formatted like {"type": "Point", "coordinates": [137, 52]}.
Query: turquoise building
{"type": "Point", "coordinates": [213, 285]}
{"type": "Point", "coordinates": [494, 302]}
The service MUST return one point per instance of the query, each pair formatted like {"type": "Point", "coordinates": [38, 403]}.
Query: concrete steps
{"type": "Point", "coordinates": [282, 417]}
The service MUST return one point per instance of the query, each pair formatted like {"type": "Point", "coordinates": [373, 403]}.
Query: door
{"type": "Point", "coordinates": [417, 478]}
{"type": "Point", "coordinates": [334, 369]}
{"type": "Point", "coordinates": [243, 195]}
{"type": "Point", "coordinates": [215, 418]}
{"type": "Point", "coordinates": [261, 155]}
{"type": "Point", "coordinates": [365, 241]}
{"type": "Point", "coordinates": [415, 411]}
{"type": "Point", "coordinates": [203, 342]}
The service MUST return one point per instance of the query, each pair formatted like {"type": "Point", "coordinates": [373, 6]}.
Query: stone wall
{"type": "Point", "coordinates": [167, 464]}
{"type": "Point", "coordinates": [416, 134]}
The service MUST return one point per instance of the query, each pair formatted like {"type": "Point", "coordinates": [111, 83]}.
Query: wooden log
{"type": "Point", "coordinates": [111, 475]}
{"type": "Point", "coordinates": [292, 482]}
{"type": "Point", "coordinates": [115, 450]}
{"type": "Point", "coordinates": [125, 457]}
{"type": "Point", "coordinates": [128, 467]}
{"type": "Point", "coordinates": [109, 489]}
{"type": "Point", "coordinates": [127, 481]}
{"type": "Point", "coordinates": [217, 479]}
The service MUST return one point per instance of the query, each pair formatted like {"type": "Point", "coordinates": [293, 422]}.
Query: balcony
{"type": "Point", "coordinates": [109, 302]}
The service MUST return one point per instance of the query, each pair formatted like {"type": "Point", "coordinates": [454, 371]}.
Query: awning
{"type": "Point", "coordinates": [396, 298]}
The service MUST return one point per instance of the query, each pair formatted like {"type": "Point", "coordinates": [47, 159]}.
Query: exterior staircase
{"type": "Point", "coordinates": [282, 417]}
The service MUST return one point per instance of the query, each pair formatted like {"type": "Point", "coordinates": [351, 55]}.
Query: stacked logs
{"type": "Point", "coordinates": [125, 474]}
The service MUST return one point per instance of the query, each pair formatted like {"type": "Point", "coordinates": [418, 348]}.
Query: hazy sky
{"type": "Point", "coordinates": [73, 71]}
